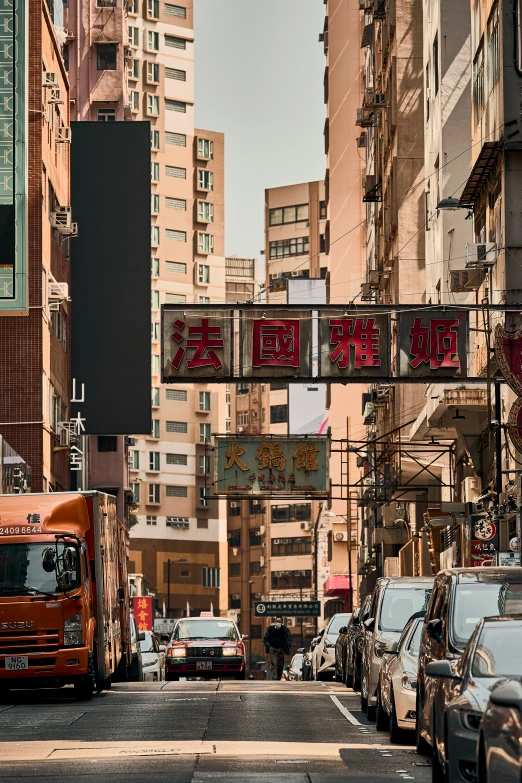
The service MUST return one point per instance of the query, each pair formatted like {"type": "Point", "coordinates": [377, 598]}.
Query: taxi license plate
{"type": "Point", "coordinates": [206, 665]}
{"type": "Point", "coordinates": [16, 662]}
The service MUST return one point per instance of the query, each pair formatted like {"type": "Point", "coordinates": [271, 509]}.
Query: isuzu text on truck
{"type": "Point", "coordinates": [64, 606]}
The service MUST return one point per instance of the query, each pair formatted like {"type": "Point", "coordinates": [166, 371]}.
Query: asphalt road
{"type": "Point", "coordinates": [190, 732]}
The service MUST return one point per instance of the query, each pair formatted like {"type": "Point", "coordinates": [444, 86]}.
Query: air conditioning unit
{"type": "Point", "coordinates": [376, 99]}
{"type": "Point", "coordinates": [129, 54]}
{"type": "Point", "coordinates": [374, 279]}
{"type": "Point", "coordinates": [471, 489]}
{"type": "Point", "coordinates": [361, 140]}
{"type": "Point", "coordinates": [61, 220]}
{"type": "Point", "coordinates": [297, 272]}
{"type": "Point", "coordinates": [64, 434]}
{"type": "Point", "coordinates": [275, 275]}
{"type": "Point", "coordinates": [368, 182]}
{"type": "Point", "coordinates": [261, 561]}
{"type": "Point", "coordinates": [340, 536]}
{"type": "Point", "coordinates": [55, 96]}
{"type": "Point", "coordinates": [391, 566]}
{"type": "Point", "coordinates": [63, 136]}
{"type": "Point", "coordinates": [58, 291]}
{"type": "Point", "coordinates": [179, 522]}
{"type": "Point", "coordinates": [481, 254]}
{"type": "Point", "coordinates": [463, 280]}
{"type": "Point", "coordinates": [50, 79]}
{"type": "Point", "coordinates": [262, 530]}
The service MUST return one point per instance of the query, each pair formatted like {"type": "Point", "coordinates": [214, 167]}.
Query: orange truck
{"type": "Point", "coordinates": [64, 603]}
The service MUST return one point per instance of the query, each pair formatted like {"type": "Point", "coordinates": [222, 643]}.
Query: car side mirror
{"type": "Point", "coordinates": [321, 633]}
{"type": "Point", "coordinates": [392, 648]}
{"type": "Point", "coordinates": [141, 636]}
{"type": "Point", "coordinates": [287, 668]}
{"type": "Point", "coordinates": [507, 694]}
{"type": "Point", "coordinates": [435, 630]}
{"type": "Point", "coordinates": [162, 648]}
{"type": "Point", "coordinates": [301, 650]}
{"type": "Point", "coordinates": [441, 670]}
{"type": "Point", "coordinates": [369, 624]}
{"type": "Point", "coordinates": [244, 636]}
{"type": "Point", "coordinates": [344, 629]}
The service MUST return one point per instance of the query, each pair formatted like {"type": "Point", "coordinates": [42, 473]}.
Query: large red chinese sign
{"type": "Point", "coordinates": [143, 612]}
{"type": "Point", "coordinates": [279, 342]}
{"type": "Point", "coordinates": [508, 353]}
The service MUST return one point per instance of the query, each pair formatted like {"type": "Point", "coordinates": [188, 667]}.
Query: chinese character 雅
{"type": "Point", "coordinates": [275, 343]}
{"type": "Point", "coordinates": [362, 335]}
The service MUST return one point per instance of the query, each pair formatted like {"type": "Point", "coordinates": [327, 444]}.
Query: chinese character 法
{"type": "Point", "coordinates": [204, 338]}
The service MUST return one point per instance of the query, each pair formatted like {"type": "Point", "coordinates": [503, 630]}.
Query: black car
{"type": "Point", "coordinates": [341, 645]}
{"type": "Point", "coordinates": [354, 647]}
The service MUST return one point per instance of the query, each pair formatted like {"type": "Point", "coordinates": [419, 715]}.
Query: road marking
{"type": "Point", "coordinates": [342, 709]}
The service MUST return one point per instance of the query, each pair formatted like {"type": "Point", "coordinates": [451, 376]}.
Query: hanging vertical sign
{"type": "Point", "coordinates": [13, 162]}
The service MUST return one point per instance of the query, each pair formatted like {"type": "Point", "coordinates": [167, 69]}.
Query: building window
{"type": "Point", "coordinates": [234, 602]}
{"type": "Point", "coordinates": [179, 395]}
{"type": "Point", "coordinates": [436, 64]}
{"type": "Point", "coordinates": [211, 577]}
{"type": "Point", "coordinates": [152, 104]}
{"type": "Point", "coordinates": [278, 386]}
{"type": "Point", "coordinates": [176, 171]}
{"type": "Point", "coordinates": [234, 569]}
{"type": "Point", "coordinates": [185, 573]}
{"type": "Point", "coordinates": [174, 42]}
{"type": "Point", "coordinates": [155, 171]}
{"type": "Point", "coordinates": [493, 50]}
{"type": "Point", "coordinates": [154, 493]}
{"type": "Point", "coordinates": [256, 507]}
{"type": "Point", "coordinates": [106, 57]}
{"type": "Point", "coordinates": [176, 492]}
{"type": "Point", "coordinates": [155, 302]}
{"type": "Point", "coordinates": [155, 203]}
{"type": "Point", "coordinates": [296, 512]}
{"type": "Point", "coordinates": [255, 568]}
{"type": "Point", "coordinates": [154, 235]}
{"type": "Point", "coordinates": [175, 10]}
{"type": "Point", "coordinates": [179, 204]}
{"type": "Point", "coordinates": [291, 546]}
{"type": "Point", "coordinates": [154, 140]}
{"type": "Point", "coordinates": [152, 41]}
{"type": "Point", "coordinates": [282, 248]}
{"type": "Point", "coordinates": [102, 3]}
{"type": "Point", "coordinates": [132, 8]}
{"type": "Point", "coordinates": [176, 73]}
{"type": "Point", "coordinates": [295, 214]}
{"type": "Point", "coordinates": [478, 83]}
{"type": "Point", "coordinates": [134, 459]}
{"type": "Point", "coordinates": [255, 537]}
{"type": "Point", "coordinates": [155, 327]}
{"type": "Point", "coordinates": [136, 491]}
{"type": "Point", "coordinates": [242, 418]}
{"type": "Point", "coordinates": [175, 236]}
{"type": "Point", "coordinates": [203, 274]}
{"type": "Point", "coordinates": [178, 139]}
{"type": "Point", "coordinates": [153, 9]}
{"type": "Point", "coordinates": [278, 414]}
{"type": "Point", "coordinates": [291, 580]}
{"type": "Point", "coordinates": [133, 71]}
{"type": "Point", "coordinates": [152, 520]}
{"type": "Point", "coordinates": [134, 36]}
{"type": "Point", "coordinates": [205, 180]}
{"type": "Point", "coordinates": [106, 115]}
{"type": "Point", "coordinates": [204, 465]}
{"type": "Point", "coordinates": [204, 401]}
{"type": "Point", "coordinates": [242, 388]}
{"type": "Point", "coordinates": [204, 299]}
{"type": "Point", "coordinates": [134, 100]}
{"type": "Point", "coordinates": [155, 432]}
{"type": "Point", "coordinates": [205, 212]}
{"type": "Point", "coordinates": [172, 105]}
{"type": "Point", "coordinates": [205, 149]}
{"type": "Point", "coordinates": [155, 364]}
{"type": "Point", "coordinates": [323, 214]}
{"type": "Point", "coordinates": [107, 443]}
{"type": "Point", "coordinates": [154, 460]}
{"type": "Point", "coordinates": [205, 243]}
{"type": "Point", "coordinates": [204, 433]}
{"type": "Point", "coordinates": [175, 298]}
{"type": "Point", "coordinates": [204, 499]}
{"type": "Point", "coordinates": [155, 395]}
{"type": "Point", "coordinates": [153, 76]}
{"type": "Point", "coordinates": [176, 459]}
{"type": "Point", "coordinates": [176, 426]}
{"type": "Point", "coordinates": [234, 509]}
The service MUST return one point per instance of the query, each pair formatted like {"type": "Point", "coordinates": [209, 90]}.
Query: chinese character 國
{"type": "Point", "coordinates": [270, 455]}
{"type": "Point", "coordinates": [205, 339]}
{"type": "Point", "coordinates": [304, 456]}
{"type": "Point", "coordinates": [435, 344]}
{"type": "Point", "coordinates": [275, 343]}
{"type": "Point", "coordinates": [359, 334]}
{"type": "Point", "coordinates": [234, 457]}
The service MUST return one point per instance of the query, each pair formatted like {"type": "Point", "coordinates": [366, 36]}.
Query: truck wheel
{"type": "Point", "coordinates": [241, 675]}
{"type": "Point", "coordinates": [83, 689]}
{"type": "Point", "coordinates": [423, 747]}
{"type": "Point", "coordinates": [5, 692]}
{"type": "Point", "coordinates": [381, 717]}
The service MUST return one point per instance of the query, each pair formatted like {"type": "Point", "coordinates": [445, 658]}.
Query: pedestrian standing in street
{"type": "Point", "coordinates": [278, 641]}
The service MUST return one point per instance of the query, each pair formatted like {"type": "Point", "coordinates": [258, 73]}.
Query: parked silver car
{"type": "Point", "coordinates": [500, 738]}
{"type": "Point", "coordinates": [395, 600]}
{"type": "Point", "coordinates": [493, 652]}
{"type": "Point", "coordinates": [396, 693]}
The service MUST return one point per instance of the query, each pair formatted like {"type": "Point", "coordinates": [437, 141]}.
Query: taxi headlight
{"type": "Point", "coordinates": [228, 651]}
{"type": "Point", "coordinates": [72, 631]}
{"type": "Point", "coordinates": [410, 683]}
{"type": "Point", "coordinates": [177, 652]}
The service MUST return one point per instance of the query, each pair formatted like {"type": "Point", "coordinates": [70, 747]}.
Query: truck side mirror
{"type": "Point", "coordinates": [64, 580]}
{"type": "Point", "coordinates": [48, 559]}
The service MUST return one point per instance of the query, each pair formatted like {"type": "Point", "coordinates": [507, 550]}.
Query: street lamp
{"type": "Point", "coordinates": [250, 583]}
{"type": "Point", "coordinates": [349, 548]}
{"type": "Point", "coordinates": [169, 561]}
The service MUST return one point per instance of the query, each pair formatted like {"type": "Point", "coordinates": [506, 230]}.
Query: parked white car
{"type": "Point", "coordinates": [323, 656]}
{"type": "Point", "coordinates": [152, 657]}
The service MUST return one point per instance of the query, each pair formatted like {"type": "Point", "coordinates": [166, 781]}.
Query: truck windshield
{"type": "Point", "coordinates": [205, 629]}
{"type": "Point", "coordinates": [398, 605]}
{"type": "Point", "coordinates": [475, 601]}
{"type": "Point", "coordinates": [22, 571]}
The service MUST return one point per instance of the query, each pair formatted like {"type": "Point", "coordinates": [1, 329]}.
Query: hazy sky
{"type": "Point", "coordinates": [259, 79]}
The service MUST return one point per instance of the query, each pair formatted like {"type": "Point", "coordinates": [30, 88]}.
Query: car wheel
{"type": "Point", "coordinates": [423, 748]}
{"type": "Point", "coordinates": [396, 733]}
{"type": "Point", "coordinates": [364, 703]}
{"type": "Point", "coordinates": [348, 680]}
{"type": "Point", "coordinates": [338, 677]}
{"type": "Point", "coordinates": [357, 676]}
{"type": "Point", "coordinates": [438, 770]}
{"type": "Point", "coordinates": [371, 712]}
{"type": "Point", "coordinates": [241, 675]}
{"type": "Point", "coordinates": [172, 677]}
{"type": "Point", "coordinates": [482, 764]}
{"type": "Point", "coordinates": [381, 718]}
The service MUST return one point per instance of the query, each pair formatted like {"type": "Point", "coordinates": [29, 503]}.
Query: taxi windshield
{"type": "Point", "coordinates": [22, 568]}
{"type": "Point", "coordinates": [187, 630]}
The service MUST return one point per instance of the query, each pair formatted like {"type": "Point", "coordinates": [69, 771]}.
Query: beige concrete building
{"type": "Point", "coordinates": [179, 541]}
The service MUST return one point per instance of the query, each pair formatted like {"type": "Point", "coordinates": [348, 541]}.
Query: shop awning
{"type": "Point", "coordinates": [337, 584]}
{"type": "Point", "coordinates": [484, 166]}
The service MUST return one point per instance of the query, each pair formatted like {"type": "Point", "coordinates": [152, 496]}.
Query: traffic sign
{"type": "Point", "coordinates": [287, 608]}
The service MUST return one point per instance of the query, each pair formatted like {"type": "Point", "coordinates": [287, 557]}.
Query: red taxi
{"type": "Point", "coordinates": [205, 647]}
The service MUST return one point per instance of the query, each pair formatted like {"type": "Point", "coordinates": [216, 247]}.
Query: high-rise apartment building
{"type": "Point", "coordinates": [35, 346]}
{"type": "Point", "coordinates": [179, 540]}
